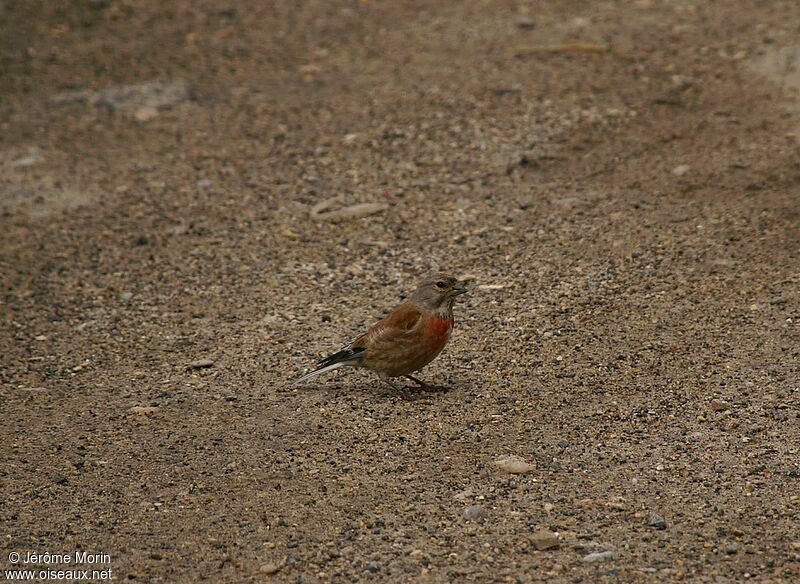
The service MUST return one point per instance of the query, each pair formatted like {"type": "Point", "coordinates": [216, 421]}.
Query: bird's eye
{"type": "Point", "coordinates": [440, 284]}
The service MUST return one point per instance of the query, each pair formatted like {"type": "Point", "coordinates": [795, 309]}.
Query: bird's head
{"type": "Point", "coordinates": [437, 292]}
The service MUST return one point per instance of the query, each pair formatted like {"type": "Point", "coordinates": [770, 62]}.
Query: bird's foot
{"type": "Point", "coordinates": [436, 388]}
{"type": "Point", "coordinates": [404, 392]}
{"type": "Point", "coordinates": [422, 386]}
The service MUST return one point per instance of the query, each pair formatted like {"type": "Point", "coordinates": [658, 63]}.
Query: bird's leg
{"type": "Point", "coordinates": [401, 391]}
{"type": "Point", "coordinates": [425, 387]}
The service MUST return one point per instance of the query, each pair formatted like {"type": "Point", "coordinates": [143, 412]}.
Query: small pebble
{"type": "Point", "coordinates": [25, 161]}
{"type": "Point", "coordinates": [126, 297]}
{"type": "Point", "coordinates": [525, 23]}
{"type": "Point", "coordinates": [514, 464]}
{"type": "Point", "coordinates": [680, 170]}
{"type": "Point", "coordinates": [374, 567]}
{"type": "Point", "coordinates": [200, 364]}
{"type": "Point", "coordinates": [146, 113]}
{"type": "Point", "coordinates": [719, 405]}
{"type": "Point", "coordinates": [731, 549]}
{"type": "Point", "coordinates": [544, 539]}
{"type": "Point", "coordinates": [656, 521]}
{"type": "Point", "coordinates": [321, 212]}
{"type": "Point", "coordinates": [473, 512]}
{"type": "Point", "coordinates": [597, 557]}
{"type": "Point", "coordinates": [271, 568]}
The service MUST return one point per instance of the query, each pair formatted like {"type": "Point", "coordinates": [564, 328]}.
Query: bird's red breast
{"type": "Point", "coordinates": [438, 330]}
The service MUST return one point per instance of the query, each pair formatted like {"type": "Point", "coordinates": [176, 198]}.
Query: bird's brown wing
{"type": "Point", "coordinates": [395, 327]}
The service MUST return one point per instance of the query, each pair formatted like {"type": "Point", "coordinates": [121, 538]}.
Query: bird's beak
{"type": "Point", "coordinates": [459, 289]}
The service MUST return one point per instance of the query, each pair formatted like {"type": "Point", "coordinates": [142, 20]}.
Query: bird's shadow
{"type": "Point", "coordinates": [378, 392]}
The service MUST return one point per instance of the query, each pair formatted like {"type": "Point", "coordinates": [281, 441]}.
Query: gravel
{"type": "Point", "coordinates": [611, 301]}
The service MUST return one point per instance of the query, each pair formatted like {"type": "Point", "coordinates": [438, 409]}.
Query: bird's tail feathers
{"type": "Point", "coordinates": [347, 356]}
{"type": "Point", "coordinates": [319, 371]}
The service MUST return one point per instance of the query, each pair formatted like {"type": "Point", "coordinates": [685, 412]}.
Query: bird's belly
{"type": "Point", "coordinates": [413, 354]}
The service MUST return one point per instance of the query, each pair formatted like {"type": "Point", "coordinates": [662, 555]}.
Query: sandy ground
{"type": "Point", "coordinates": [617, 181]}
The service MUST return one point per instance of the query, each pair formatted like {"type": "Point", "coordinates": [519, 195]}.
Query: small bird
{"type": "Point", "coordinates": [407, 339]}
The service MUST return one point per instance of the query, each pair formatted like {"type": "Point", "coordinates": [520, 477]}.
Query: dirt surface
{"type": "Point", "coordinates": [617, 181]}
